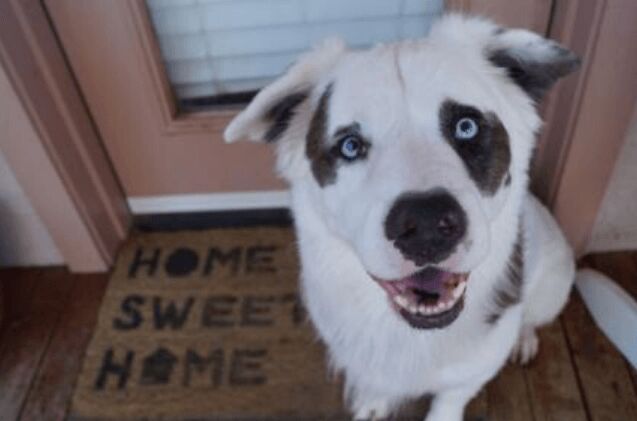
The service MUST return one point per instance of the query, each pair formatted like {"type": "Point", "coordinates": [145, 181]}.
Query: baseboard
{"type": "Point", "coordinates": [245, 218]}
{"type": "Point", "coordinates": [214, 210]}
{"type": "Point", "coordinates": [612, 242]}
{"type": "Point", "coordinates": [208, 202]}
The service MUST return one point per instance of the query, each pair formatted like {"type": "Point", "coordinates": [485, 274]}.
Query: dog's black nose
{"type": "Point", "coordinates": [426, 226]}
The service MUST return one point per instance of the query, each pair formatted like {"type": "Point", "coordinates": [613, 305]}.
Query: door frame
{"type": "Point", "coordinates": [74, 189]}
{"type": "Point", "coordinates": [76, 192]}
{"type": "Point", "coordinates": [592, 113]}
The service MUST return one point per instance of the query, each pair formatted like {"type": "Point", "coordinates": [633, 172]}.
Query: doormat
{"type": "Point", "coordinates": [206, 325]}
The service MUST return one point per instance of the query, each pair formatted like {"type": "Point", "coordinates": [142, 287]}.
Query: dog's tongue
{"type": "Point", "coordinates": [430, 279]}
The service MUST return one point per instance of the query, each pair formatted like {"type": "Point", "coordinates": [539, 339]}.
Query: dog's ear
{"type": "Point", "coordinates": [268, 116]}
{"type": "Point", "coordinates": [533, 62]}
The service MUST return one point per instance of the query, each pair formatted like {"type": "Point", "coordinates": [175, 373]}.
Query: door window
{"type": "Point", "coordinates": [219, 52]}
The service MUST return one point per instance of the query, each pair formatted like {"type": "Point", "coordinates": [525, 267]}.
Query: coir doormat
{"type": "Point", "coordinates": [206, 325]}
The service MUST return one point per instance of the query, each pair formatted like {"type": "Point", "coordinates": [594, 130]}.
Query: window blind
{"type": "Point", "coordinates": [219, 47]}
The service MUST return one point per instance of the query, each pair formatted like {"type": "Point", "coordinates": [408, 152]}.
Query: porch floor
{"type": "Point", "coordinates": [50, 315]}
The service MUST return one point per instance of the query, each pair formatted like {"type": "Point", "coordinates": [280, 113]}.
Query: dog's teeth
{"type": "Point", "coordinates": [459, 290]}
{"type": "Point", "coordinates": [405, 303]}
{"type": "Point", "coordinates": [401, 300]}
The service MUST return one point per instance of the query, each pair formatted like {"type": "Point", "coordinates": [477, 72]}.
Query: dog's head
{"type": "Point", "coordinates": [410, 152]}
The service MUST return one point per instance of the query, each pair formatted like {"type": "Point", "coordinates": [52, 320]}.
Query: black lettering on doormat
{"type": "Point", "coordinates": [246, 367]}
{"type": "Point", "coordinates": [181, 262]}
{"type": "Point", "coordinates": [257, 311]}
{"type": "Point", "coordinates": [158, 367]}
{"type": "Point", "coordinates": [210, 366]}
{"type": "Point", "coordinates": [217, 258]}
{"type": "Point", "coordinates": [145, 259]}
{"type": "Point", "coordinates": [218, 310]}
{"type": "Point", "coordinates": [260, 259]}
{"type": "Point", "coordinates": [132, 316]}
{"type": "Point", "coordinates": [118, 369]}
{"type": "Point", "coordinates": [167, 314]}
{"type": "Point", "coordinates": [297, 312]}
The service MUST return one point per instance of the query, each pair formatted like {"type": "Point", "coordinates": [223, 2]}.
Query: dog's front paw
{"type": "Point", "coordinates": [527, 346]}
{"type": "Point", "coordinates": [448, 412]}
{"type": "Point", "coordinates": [372, 411]}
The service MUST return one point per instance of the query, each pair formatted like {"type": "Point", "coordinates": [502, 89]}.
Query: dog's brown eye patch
{"type": "Point", "coordinates": [325, 151]}
{"type": "Point", "coordinates": [323, 162]}
{"type": "Point", "coordinates": [486, 156]}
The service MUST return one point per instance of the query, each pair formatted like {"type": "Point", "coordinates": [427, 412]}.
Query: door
{"type": "Point", "coordinates": [163, 78]}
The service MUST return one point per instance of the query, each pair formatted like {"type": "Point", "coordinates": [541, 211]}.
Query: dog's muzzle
{"type": "Point", "coordinates": [430, 298]}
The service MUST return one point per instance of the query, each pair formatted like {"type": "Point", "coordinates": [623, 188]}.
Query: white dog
{"type": "Point", "coordinates": [425, 260]}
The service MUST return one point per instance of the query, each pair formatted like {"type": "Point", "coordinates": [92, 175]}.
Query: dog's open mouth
{"type": "Point", "coordinates": [428, 299]}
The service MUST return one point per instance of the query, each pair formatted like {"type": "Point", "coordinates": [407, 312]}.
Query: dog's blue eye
{"type": "Point", "coordinates": [466, 128]}
{"type": "Point", "coordinates": [351, 147]}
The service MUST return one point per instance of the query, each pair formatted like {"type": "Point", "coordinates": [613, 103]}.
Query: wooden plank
{"type": "Point", "coordinates": [478, 408]}
{"type": "Point", "coordinates": [52, 387]}
{"type": "Point", "coordinates": [26, 339]}
{"type": "Point", "coordinates": [2, 310]}
{"type": "Point", "coordinates": [508, 397]}
{"type": "Point", "coordinates": [630, 281]}
{"type": "Point", "coordinates": [619, 266]}
{"type": "Point", "coordinates": [17, 291]}
{"type": "Point", "coordinates": [417, 410]}
{"type": "Point", "coordinates": [552, 379]}
{"type": "Point", "coordinates": [606, 383]}
{"type": "Point", "coordinates": [633, 375]}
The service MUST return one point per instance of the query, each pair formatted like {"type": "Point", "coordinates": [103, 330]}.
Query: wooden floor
{"type": "Point", "coordinates": [49, 316]}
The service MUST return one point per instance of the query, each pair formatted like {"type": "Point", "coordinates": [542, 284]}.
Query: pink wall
{"type": "Point", "coordinates": [24, 240]}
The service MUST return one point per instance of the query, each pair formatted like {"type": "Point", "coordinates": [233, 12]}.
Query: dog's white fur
{"type": "Point", "coordinates": [395, 91]}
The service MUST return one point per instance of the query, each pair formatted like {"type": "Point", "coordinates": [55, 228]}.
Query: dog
{"type": "Point", "coordinates": [426, 261]}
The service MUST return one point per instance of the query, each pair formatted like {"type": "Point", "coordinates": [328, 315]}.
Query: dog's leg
{"type": "Point", "coordinates": [371, 404]}
{"type": "Point", "coordinates": [526, 346]}
{"type": "Point", "coordinates": [372, 410]}
{"type": "Point", "coordinates": [372, 407]}
{"type": "Point", "coordinates": [449, 405]}
{"type": "Point", "coordinates": [549, 274]}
